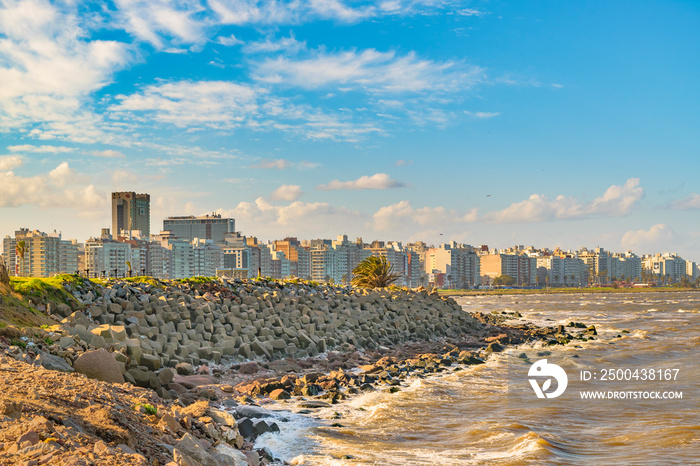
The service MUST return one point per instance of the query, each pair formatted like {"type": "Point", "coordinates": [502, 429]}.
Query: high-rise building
{"type": "Point", "coordinates": [211, 227]}
{"type": "Point", "coordinates": [44, 255]}
{"type": "Point", "coordinates": [131, 211]}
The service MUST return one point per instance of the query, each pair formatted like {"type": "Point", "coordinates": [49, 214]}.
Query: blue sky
{"type": "Point", "coordinates": [542, 123]}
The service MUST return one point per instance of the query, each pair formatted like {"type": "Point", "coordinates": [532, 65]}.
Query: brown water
{"type": "Point", "coordinates": [489, 415]}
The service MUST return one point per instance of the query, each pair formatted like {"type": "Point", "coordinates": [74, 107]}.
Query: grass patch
{"type": "Point", "coordinates": [148, 280]}
{"type": "Point", "coordinates": [196, 280]}
{"type": "Point", "coordinates": [41, 289]}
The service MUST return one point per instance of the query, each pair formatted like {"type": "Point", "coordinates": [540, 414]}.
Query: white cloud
{"type": "Point", "coordinates": [211, 104]}
{"type": "Point", "coordinates": [163, 22]}
{"type": "Point", "coordinates": [40, 149]}
{"type": "Point", "coordinates": [402, 216]}
{"type": "Point", "coordinates": [8, 162]}
{"type": "Point", "coordinates": [61, 187]}
{"type": "Point", "coordinates": [617, 201]}
{"type": "Point", "coordinates": [109, 154]}
{"type": "Point", "coordinates": [296, 219]}
{"type": "Point", "coordinates": [376, 181]}
{"type": "Point", "coordinates": [657, 238]}
{"type": "Point", "coordinates": [470, 12]}
{"type": "Point", "coordinates": [283, 164]}
{"type": "Point", "coordinates": [482, 115]}
{"type": "Point", "coordinates": [287, 192]}
{"type": "Point", "coordinates": [225, 106]}
{"type": "Point", "coordinates": [42, 47]}
{"type": "Point", "coordinates": [371, 70]}
{"type": "Point", "coordinates": [274, 164]}
{"type": "Point", "coordinates": [270, 12]}
{"type": "Point", "coordinates": [240, 12]}
{"type": "Point", "coordinates": [228, 41]}
{"type": "Point", "coordinates": [286, 44]}
{"type": "Point", "coordinates": [690, 202]}
{"type": "Point", "coordinates": [402, 163]}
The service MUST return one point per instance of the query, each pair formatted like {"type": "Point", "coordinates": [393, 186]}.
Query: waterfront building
{"type": "Point", "coordinates": [211, 227]}
{"type": "Point", "coordinates": [131, 211]}
{"type": "Point", "coordinates": [521, 268]}
{"type": "Point", "coordinates": [45, 255]}
{"type": "Point", "coordinates": [459, 264]}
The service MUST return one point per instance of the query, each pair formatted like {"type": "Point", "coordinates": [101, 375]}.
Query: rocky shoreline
{"type": "Point", "coordinates": [201, 355]}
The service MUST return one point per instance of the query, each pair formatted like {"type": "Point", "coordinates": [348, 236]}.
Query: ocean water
{"type": "Point", "coordinates": [489, 414]}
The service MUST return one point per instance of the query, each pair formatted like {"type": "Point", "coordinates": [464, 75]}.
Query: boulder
{"type": "Point", "coordinates": [191, 449]}
{"type": "Point", "coordinates": [53, 363]}
{"type": "Point", "coordinates": [251, 412]}
{"type": "Point", "coordinates": [99, 365]}
{"type": "Point", "coordinates": [184, 368]}
{"type": "Point", "coordinates": [151, 362]}
{"type": "Point", "coordinates": [222, 417]}
{"type": "Point", "coordinates": [230, 455]}
{"type": "Point", "coordinates": [280, 394]}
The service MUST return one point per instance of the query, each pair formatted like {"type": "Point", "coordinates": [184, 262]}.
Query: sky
{"type": "Point", "coordinates": [542, 123]}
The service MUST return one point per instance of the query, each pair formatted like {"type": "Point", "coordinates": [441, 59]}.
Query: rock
{"type": "Point", "coordinates": [184, 368]}
{"type": "Point", "coordinates": [280, 394]}
{"type": "Point", "coordinates": [166, 376]}
{"type": "Point", "coordinates": [222, 417]}
{"type": "Point", "coordinates": [313, 404]}
{"type": "Point", "coordinates": [231, 456]}
{"type": "Point", "coordinates": [245, 427]}
{"type": "Point", "coordinates": [53, 363]}
{"type": "Point", "coordinates": [191, 449]}
{"type": "Point", "coordinates": [251, 412]}
{"type": "Point", "coordinates": [494, 347]}
{"type": "Point", "coordinates": [11, 409]}
{"type": "Point", "coordinates": [168, 421]}
{"type": "Point", "coordinates": [151, 362]}
{"type": "Point", "coordinates": [99, 365]}
{"type": "Point", "coordinates": [260, 427]}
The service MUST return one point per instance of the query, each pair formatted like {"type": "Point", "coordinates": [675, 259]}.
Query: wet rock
{"type": "Point", "coordinates": [245, 427]}
{"type": "Point", "coordinates": [494, 347]}
{"type": "Point", "coordinates": [311, 404]}
{"type": "Point", "coordinates": [253, 412]}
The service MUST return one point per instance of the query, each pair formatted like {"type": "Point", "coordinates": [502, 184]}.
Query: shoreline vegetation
{"type": "Point", "coordinates": [136, 370]}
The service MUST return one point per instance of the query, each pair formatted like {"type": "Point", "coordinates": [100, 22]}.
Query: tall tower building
{"type": "Point", "coordinates": [131, 211]}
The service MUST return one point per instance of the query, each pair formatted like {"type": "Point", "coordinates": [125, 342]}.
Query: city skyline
{"type": "Point", "coordinates": [492, 123]}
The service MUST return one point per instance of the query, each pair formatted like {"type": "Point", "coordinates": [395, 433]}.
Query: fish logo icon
{"type": "Point", "coordinates": [542, 368]}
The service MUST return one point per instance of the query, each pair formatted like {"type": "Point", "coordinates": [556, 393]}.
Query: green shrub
{"type": "Point", "coordinates": [19, 343]}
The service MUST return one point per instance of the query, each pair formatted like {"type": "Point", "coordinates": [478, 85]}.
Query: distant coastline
{"type": "Point", "coordinates": [595, 290]}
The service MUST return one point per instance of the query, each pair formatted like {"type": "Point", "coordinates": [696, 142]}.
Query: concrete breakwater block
{"type": "Point", "coordinates": [232, 321]}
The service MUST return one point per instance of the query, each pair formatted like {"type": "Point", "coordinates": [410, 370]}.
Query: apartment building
{"type": "Point", "coordinates": [209, 227]}
{"type": "Point", "coordinates": [521, 268]}
{"type": "Point", "coordinates": [459, 263]}
{"type": "Point", "coordinates": [44, 255]}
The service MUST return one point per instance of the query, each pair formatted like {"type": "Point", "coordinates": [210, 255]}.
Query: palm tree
{"type": "Point", "coordinates": [128, 264]}
{"type": "Point", "coordinates": [21, 250]}
{"type": "Point", "coordinates": [374, 272]}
